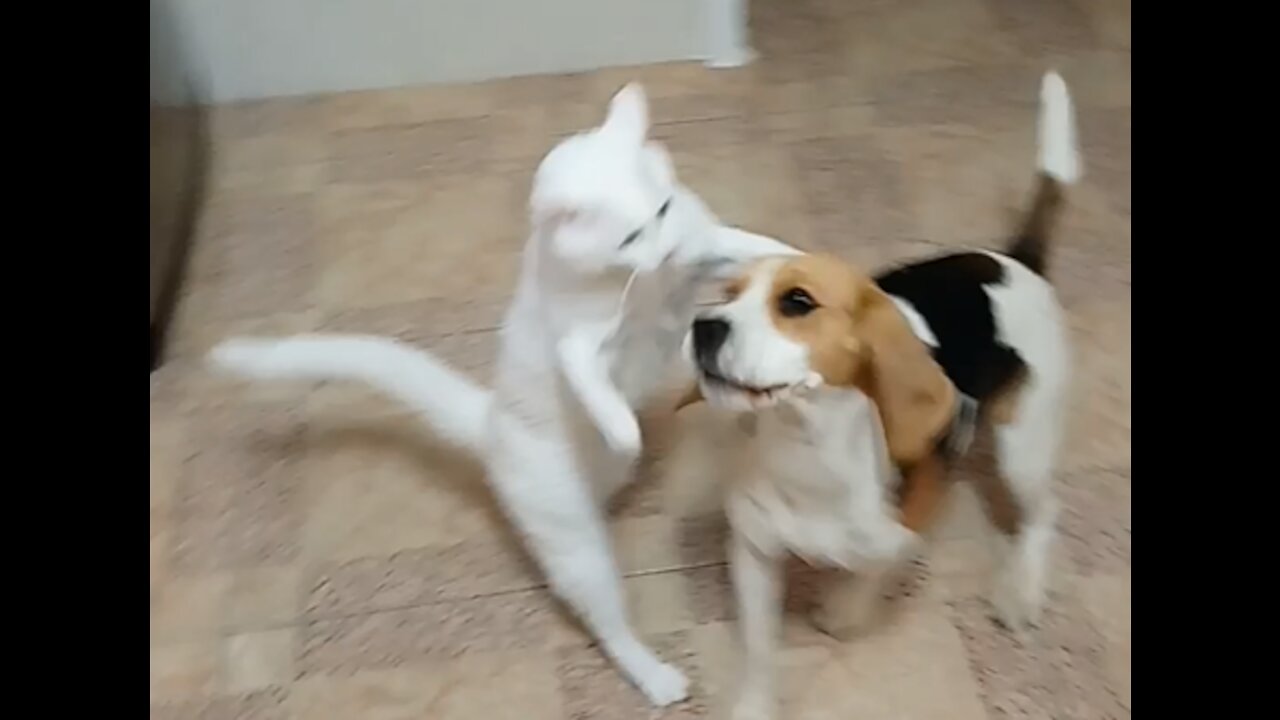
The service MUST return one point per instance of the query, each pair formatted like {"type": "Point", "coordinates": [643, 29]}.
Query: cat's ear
{"type": "Point", "coordinates": [628, 117]}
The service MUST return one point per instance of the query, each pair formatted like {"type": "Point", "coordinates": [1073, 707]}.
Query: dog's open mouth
{"type": "Point", "coordinates": [717, 380]}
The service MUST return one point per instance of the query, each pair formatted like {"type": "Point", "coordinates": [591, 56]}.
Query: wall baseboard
{"type": "Point", "coordinates": [248, 49]}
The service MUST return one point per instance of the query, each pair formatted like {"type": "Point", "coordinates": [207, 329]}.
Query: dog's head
{"type": "Point", "coordinates": [795, 322]}
{"type": "Point", "coordinates": [608, 198]}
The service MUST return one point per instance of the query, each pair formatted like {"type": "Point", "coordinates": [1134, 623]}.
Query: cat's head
{"type": "Point", "coordinates": [608, 198]}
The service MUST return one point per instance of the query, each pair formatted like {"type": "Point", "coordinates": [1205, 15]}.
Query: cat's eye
{"type": "Point", "coordinates": [796, 303]}
{"type": "Point", "coordinates": [631, 238]}
{"type": "Point", "coordinates": [662, 211]}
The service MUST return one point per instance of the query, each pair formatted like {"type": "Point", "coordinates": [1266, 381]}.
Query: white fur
{"type": "Point", "coordinates": [588, 337]}
{"type": "Point", "coordinates": [1059, 150]}
{"type": "Point", "coordinates": [916, 321]}
{"type": "Point", "coordinates": [1030, 320]}
{"type": "Point", "coordinates": [815, 482]}
{"type": "Point", "coordinates": [759, 357]}
{"type": "Point", "coordinates": [818, 466]}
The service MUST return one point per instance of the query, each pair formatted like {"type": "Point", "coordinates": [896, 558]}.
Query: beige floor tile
{"type": "Point", "coordinates": [1109, 600]}
{"type": "Point", "coordinates": [495, 685]}
{"type": "Point", "coordinates": [197, 335]}
{"type": "Point", "coordinates": [291, 178]}
{"type": "Point", "coordinates": [884, 675]}
{"type": "Point", "coordinates": [427, 633]}
{"type": "Point", "coordinates": [967, 184]}
{"type": "Point", "coordinates": [1096, 520]}
{"type": "Point", "coordinates": [406, 106]}
{"type": "Point", "coordinates": [167, 449]}
{"type": "Point", "coordinates": [159, 562]}
{"type": "Point", "coordinates": [377, 488]}
{"type": "Point", "coordinates": [469, 567]}
{"type": "Point", "coordinates": [391, 243]}
{"type": "Point", "coordinates": [266, 704]}
{"type": "Point", "coordinates": [274, 117]}
{"type": "Point", "coordinates": [887, 40]}
{"type": "Point", "coordinates": [186, 670]}
{"type": "Point", "coordinates": [855, 192]}
{"type": "Point", "coordinates": [592, 688]}
{"type": "Point", "coordinates": [1101, 79]}
{"type": "Point", "coordinates": [658, 603]}
{"type": "Point", "coordinates": [237, 503]}
{"type": "Point", "coordinates": [1045, 28]}
{"type": "Point", "coordinates": [1059, 671]}
{"type": "Point", "coordinates": [961, 516]}
{"type": "Point", "coordinates": [645, 544]}
{"type": "Point", "coordinates": [263, 597]}
{"type": "Point", "coordinates": [958, 569]}
{"type": "Point", "coordinates": [1100, 431]}
{"type": "Point", "coordinates": [788, 125]}
{"type": "Point", "coordinates": [395, 694]}
{"type": "Point", "coordinates": [255, 254]}
{"type": "Point", "coordinates": [1112, 22]}
{"type": "Point", "coordinates": [254, 661]}
{"type": "Point", "coordinates": [757, 190]}
{"type": "Point", "coordinates": [249, 157]}
{"type": "Point", "coordinates": [504, 685]}
{"type": "Point", "coordinates": [189, 608]}
{"type": "Point", "coordinates": [425, 151]}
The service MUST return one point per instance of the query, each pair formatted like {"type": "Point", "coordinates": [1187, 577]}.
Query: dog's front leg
{"type": "Point", "coordinates": [757, 585]}
{"type": "Point", "coordinates": [587, 370]}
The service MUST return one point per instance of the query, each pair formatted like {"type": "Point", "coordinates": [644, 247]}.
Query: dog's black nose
{"type": "Point", "coordinates": [709, 335]}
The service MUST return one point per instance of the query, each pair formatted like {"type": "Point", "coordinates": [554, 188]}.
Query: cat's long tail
{"type": "Point", "coordinates": [454, 406]}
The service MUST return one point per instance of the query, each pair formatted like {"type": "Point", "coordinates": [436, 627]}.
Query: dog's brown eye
{"type": "Point", "coordinates": [795, 303]}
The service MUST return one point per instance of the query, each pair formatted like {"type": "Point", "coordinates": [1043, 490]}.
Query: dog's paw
{"type": "Point", "coordinates": [1017, 608]}
{"type": "Point", "coordinates": [663, 685]}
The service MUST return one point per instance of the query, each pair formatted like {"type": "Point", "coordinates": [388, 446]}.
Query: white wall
{"type": "Point", "coordinates": [255, 48]}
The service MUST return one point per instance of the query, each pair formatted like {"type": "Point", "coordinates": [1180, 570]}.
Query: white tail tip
{"type": "Point", "coordinates": [243, 356]}
{"type": "Point", "coordinates": [1059, 151]}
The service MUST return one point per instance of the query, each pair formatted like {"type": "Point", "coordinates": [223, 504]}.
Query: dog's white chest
{"type": "Point", "coordinates": [819, 482]}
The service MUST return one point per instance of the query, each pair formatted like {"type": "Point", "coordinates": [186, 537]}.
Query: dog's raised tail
{"type": "Point", "coordinates": [1059, 165]}
{"type": "Point", "coordinates": [453, 405]}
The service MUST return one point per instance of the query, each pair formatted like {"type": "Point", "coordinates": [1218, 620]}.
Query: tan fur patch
{"type": "Point", "coordinates": [923, 488]}
{"type": "Point", "coordinates": [999, 502]}
{"type": "Point", "coordinates": [857, 338]}
{"type": "Point", "coordinates": [1002, 408]}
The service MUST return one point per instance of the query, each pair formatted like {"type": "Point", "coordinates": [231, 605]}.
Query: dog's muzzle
{"type": "Point", "coordinates": [709, 335]}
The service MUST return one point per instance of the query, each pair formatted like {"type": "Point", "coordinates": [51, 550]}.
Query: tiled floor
{"type": "Point", "coordinates": [313, 556]}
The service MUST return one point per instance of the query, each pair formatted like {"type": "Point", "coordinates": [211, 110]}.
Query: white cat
{"type": "Point", "coordinates": [605, 297]}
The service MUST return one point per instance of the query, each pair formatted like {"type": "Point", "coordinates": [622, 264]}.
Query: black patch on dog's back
{"type": "Point", "coordinates": [948, 292]}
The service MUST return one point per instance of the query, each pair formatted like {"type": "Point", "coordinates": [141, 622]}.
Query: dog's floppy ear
{"type": "Point", "coordinates": [915, 398]}
{"type": "Point", "coordinates": [628, 117]}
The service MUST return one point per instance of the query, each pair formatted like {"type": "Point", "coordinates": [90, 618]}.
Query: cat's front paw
{"type": "Point", "coordinates": [623, 435]}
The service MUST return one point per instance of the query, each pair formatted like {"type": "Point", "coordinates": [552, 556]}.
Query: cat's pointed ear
{"type": "Point", "coordinates": [628, 117]}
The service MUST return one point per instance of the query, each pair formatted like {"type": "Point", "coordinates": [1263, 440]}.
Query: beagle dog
{"type": "Point", "coordinates": [862, 388]}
